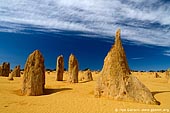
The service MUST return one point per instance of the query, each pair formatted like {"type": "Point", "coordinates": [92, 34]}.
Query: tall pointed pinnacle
{"type": "Point", "coordinates": [121, 55]}
{"type": "Point", "coordinates": [116, 82]}
{"type": "Point", "coordinates": [118, 42]}
{"type": "Point", "coordinates": [116, 58]}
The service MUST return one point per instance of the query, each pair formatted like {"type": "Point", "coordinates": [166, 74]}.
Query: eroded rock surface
{"type": "Point", "coordinates": [73, 69]}
{"type": "Point", "coordinates": [116, 81]}
{"type": "Point", "coordinates": [60, 68]}
{"type": "Point", "coordinates": [5, 69]}
{"type": "Point", "coordinates": [16, 71]}
{"type": "Point", "coordinates": [34, 75]}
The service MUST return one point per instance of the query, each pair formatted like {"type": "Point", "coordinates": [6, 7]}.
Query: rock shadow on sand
{"type": "Point", "coordinates": [49, 91]}
{"type": "Point", "coordinates": [84, 81]}
{"type": "Point", "coordinates": [157, 92]}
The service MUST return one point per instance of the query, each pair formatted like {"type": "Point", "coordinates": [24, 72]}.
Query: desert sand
{"type": "Point", "coordinates": [64, 97]}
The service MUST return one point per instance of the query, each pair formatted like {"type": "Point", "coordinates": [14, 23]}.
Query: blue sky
{"type": "Point", "coordinates": [86, 28]}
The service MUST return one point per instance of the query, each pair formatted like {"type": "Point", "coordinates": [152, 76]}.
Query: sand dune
{"type": "Point", "coordinates": [63, 97]}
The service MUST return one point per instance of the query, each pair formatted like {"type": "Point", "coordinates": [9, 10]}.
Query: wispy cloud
{"type": "Point", "coordinates": [137, 58]}
{"type": "Point", "coordinates": [167, 53]}
{"type": "Point", "coordinates": [143, 21]}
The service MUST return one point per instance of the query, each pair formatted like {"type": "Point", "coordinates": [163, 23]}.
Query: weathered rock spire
{"type": "Point", "coordinates": [60, 68]}
{"type": "Point", "coordinates": [34, 75]}
{"type": "Point", "coordinates": [73, 69]}
{"type": "Point", "coordinates": [116, 81]}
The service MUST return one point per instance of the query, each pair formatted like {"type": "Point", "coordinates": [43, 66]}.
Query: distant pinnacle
{"type": "Point", "coordinates": [73, 69]}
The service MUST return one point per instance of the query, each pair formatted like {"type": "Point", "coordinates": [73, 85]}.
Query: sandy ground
{"type": "Point", "coordinates": [62, 97]}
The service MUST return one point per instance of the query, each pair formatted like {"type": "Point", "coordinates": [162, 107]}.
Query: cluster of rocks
{"type": "Point", "coordinates": [86, 76]}
{"type": "Point", "coordinates": [14, 73]}
{"type": "Point", "coordinates": [73, 69]}
{"type": "Point", "coordinates": [5, 69]}
{"type": "Point", "coordinates": [33, 83]}
{"type": "Point", "coordinates": [34, 73]}
{"type": "Point", "coordinates": [116, 81]}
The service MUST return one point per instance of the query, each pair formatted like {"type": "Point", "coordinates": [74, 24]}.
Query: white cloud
{"type": "Point", "coordinates": [137, 58]}
{"type": "Point", "coordinates": [136, 18]}
{"type": "Point", "coordinates": [167, 53]}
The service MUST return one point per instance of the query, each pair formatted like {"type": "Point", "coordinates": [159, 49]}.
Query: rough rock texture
{"type": "Point", "coordinates": [5, 69]}
{"type": "Point", "coordinates": [16, 71]}
{"type": "Point", "coordinates": [87, 76]}
{"type": "Point", "coordinates": [73, 69]}
{"type": "Point", "coordinates": [60, 68]}
{"type": "Point", "coordinates": [34, 75]}
{"type": "Point", "coordinates": [116, 80]}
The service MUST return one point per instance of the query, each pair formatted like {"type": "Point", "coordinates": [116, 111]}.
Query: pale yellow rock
{"type": "Point", "coordinates": [34, 75]}
{"type": "Point", "coordinates": [116, 81]}
{"type": "Point", "coordinates": [16, 71]}
{"type": "Point", "coordinates": [5, 69]}
{"type": "Point", "coordinates": [60, 68]}
{"type": "Point", "coordinates": [10, 77]}
{"type": "Point", "coordinates": [73, 69]}
{"type": "Point", "coordinates": [86, 76]}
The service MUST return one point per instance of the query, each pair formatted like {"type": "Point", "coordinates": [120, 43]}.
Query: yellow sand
{"type": "Point", "coordinates": [62, 97]}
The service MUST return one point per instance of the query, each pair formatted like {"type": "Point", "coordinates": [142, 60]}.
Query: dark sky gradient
{"type": "Point", "coordinates": [90, 52]}
{"type": "Point", "coordinates": [86, 28]}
